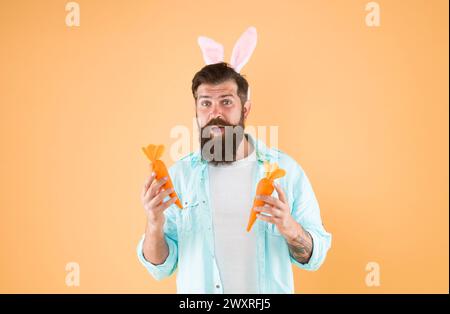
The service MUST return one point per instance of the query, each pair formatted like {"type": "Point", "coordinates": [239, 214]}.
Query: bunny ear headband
{"type": "Point", "coordinates": [243, 49]}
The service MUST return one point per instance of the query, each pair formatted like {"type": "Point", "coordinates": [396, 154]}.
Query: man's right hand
{"type": "Point", "coordinates": [152, 197]}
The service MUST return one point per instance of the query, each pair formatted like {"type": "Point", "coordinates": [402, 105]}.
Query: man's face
{"type": "Point", "coordinates": [220, 117]}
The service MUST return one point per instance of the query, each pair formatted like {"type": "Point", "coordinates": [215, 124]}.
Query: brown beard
{"type": "Point", "coordinates": [219, 150]}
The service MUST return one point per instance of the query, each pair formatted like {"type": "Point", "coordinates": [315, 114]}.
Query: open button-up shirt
{"type": "Point", "coordinates": [189, 232]}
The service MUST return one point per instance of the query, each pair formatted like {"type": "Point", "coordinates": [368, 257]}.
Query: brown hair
{"type": "Point", "coordinates": [218, 73]}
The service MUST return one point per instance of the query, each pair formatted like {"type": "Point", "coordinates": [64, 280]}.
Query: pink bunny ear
{"type": "Point", "coordinates": [243, 49]}
{"type": "Point", "coordinates": [212, 51]}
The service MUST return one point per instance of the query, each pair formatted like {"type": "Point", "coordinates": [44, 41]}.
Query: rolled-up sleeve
{"type": "Point", "coordinates": [306, 212]}
{"type": "Point", "coordinates": [165, 269]}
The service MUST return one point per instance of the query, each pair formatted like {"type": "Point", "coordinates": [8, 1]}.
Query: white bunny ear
{"type": "Point", "coordinates": [243, 49]}
{"type": "Point", "coordinates": [212, 51]}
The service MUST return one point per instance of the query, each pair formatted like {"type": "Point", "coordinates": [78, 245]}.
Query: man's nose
{"type": "Point", "coordinates": [216, 112]}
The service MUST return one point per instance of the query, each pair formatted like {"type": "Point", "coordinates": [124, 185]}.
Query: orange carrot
{"type": "Point", "coordinates": [154, 153]}
{"type": "Point", "coordinates": [265, 187]}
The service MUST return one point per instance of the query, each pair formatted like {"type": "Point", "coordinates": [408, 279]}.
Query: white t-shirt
{"type": "Point", "coordinates": [235, 248]}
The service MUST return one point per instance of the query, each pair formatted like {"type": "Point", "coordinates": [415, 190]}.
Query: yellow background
{"type": "Point", "coordinates": [363, 110]}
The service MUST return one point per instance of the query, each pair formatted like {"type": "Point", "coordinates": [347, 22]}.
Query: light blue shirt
{"type": "Point", "coordinates": [190, 234]}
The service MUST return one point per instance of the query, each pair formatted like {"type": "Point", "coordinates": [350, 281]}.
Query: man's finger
{"type": "Point", "coordinates": [156, 185]}
{"type": "Point", "coordinates": [280, 192]}
{"type": "Point", "coordinates": [162, 207]}
{"type": "Point", "coordinates": [266, 218]}
{"type": "Point", "coordinates": [274, 212]}
{"type": "Point", "coordinates": [158, 199]}
{"type": "Point", "coordinates": [147, 184]}
{"type": "Point", "coordinates": [270, 200]}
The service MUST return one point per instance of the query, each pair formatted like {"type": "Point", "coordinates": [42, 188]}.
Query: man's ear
{"type": "Point", "coordinates": [247, 107]}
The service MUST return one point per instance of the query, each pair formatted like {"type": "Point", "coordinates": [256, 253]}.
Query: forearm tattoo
{"type": "Point", "coordinates": [301, 247]}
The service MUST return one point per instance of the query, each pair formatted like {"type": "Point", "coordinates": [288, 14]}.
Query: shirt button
{"type": "Point", "coordinates": [217, 286]}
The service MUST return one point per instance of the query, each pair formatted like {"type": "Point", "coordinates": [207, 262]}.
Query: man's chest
{"type": "Point", "coordinates": [231, 197]}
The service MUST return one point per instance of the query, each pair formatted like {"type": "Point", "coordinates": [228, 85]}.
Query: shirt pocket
{"type": "Point", "coordinates": [189, 213]}
{"type": "Point", "coordinates": [272, 230]}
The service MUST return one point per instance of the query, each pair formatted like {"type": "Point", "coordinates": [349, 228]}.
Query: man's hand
{"type": "Point", "coordinates": [155, 247]}
{"type": "Point", "coordinates": [280, 213]}
{"type": "Point", "coordinates": [299, 240]}
{"type": "Point", "coordinates": [152, 197]}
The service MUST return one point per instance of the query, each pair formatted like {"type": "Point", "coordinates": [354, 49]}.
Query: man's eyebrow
{"type": "Point", "coordinates": [221, 96]}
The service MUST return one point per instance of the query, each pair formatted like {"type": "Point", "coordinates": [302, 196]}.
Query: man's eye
{"type": "Point", "coordinates": [205, 103]}
{"type": "Point", "coordinates": [227, 102]}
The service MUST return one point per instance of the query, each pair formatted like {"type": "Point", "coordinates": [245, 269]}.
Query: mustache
{"type": "Point", "coordinates": [217, 122]}
{"type": "Point", "coordinates": [221, 149]}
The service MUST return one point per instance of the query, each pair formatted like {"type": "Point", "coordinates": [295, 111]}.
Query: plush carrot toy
{"type": "Point", "coordinates": [265, 187]}
{"type": "Point", "coordinates": [154, 153]}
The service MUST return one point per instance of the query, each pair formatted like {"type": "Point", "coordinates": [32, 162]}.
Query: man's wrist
{"type": "Point", "coordinates": [300, 245]}
{"type": "Point", "coordinates": [154, 229]}
{"type": "Point", "coordinates": [293, 232]}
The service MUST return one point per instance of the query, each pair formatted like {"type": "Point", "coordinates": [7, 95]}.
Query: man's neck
{"type": "Point", "coordinates": [245, 148]}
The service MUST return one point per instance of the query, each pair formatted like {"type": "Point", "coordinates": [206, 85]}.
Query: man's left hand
{"type": "Point", "coordinates": [280, 213]}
